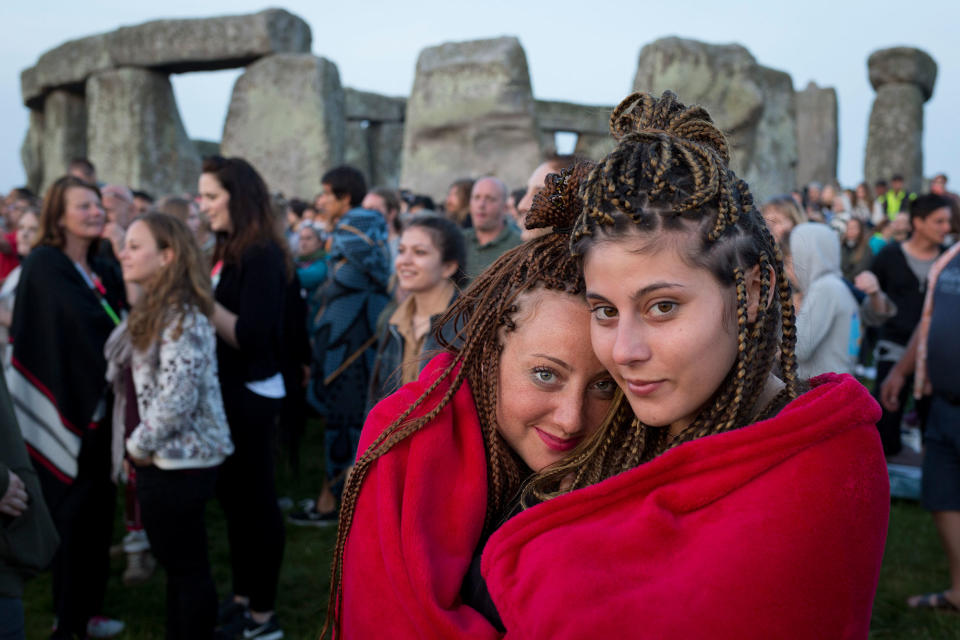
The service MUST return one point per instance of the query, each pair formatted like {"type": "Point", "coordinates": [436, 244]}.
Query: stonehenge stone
{"type": "Point", "coordinates": [752, 105]}
{"type": "Point", "coordinates": [578, 118]}
{"type": "Point", "coordinates": [357, 149]}
{"type": "Point", "coordinates": [31, 151]}
{"type": "Point", "coordinates": [903, 65]}
{"type": "Point", "coordinates": [365, 105]}
{"type": "Point", "coordinates": [904, 79]}
{"type": "Point", "coordinates": [287, 117]}
{"type": "Point", "coordinates": [206, 147]}
{"type": "Point", "coordinates": [386, 152]}
{"type": "Point", "coordinates": [593, 146]}
{"type": "Point", "coordinates": [471, 112]}
{"type": "Point", "coordinates": [134, 132]}
{"type": "Point", "coordinates": [64, 134]}
{"type": "Point", "coordinates": [172, 46]}
{"type": "Point", "coordinates": [817, 135]}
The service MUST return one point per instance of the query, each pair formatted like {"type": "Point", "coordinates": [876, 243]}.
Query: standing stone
{"type": "Point", "coordinates": [593, 146]}
{"type": "Point", "coordinates": [471, 113]}
{"type": "Point", "coordinates": [386, 153]}
{"type": "Point", "coordinates": [357, 148]}
{"type": "Point", "coordinates": [817, 135]}
{"type": "Point", "coordinates": [286, 117]}
{"type": "Point", "coordinates": [752, 105]}
{"type": "Point", "coordinates": [903, 79]}
{"type": "Point", "coordinates": [64, 134]}
{"type": "Point", "coordinates": [134, 132]}
{"type": "Point", "coordinates": [31, 152]}
{"type": "Point", "coordinates": [171, 46]}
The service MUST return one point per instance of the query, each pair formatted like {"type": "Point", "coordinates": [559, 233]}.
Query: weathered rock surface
{"type": "Point", "coordinates": [31, 151]}
{"type": "Point", "coordinates": [817, 135]}
{"type": "Point", "coordinates": [206, 147]}
{"type": "Point", "coordinates": [895, 135]}
{"type": "Point", "coordinates": [904, 80]}
{"type": "Point", "coordinates": [168, 45]}
{"type": "Point", "coordinates": [64, 134]}
{"type": "Point", "coordinates": [287, 118]}
{"type": "Point", "coordinates": [753, 105]}
{"type": "Point", "coordinates": [578, 118]}
{"type": "Point", "coordinates": [593, 146]}
{"type": "Point", "coordinates": [366, 105]}
{"type": "Point", "coordinates": [134, 132]}
{"type": "Point", "coordinates": [903, 64]}
{"type": "Point", "coordinates": [471, 112]}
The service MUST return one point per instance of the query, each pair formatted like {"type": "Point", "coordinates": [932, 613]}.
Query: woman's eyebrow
{"type": "Point", "coordinates": [639, 293]}
{"type": "Point", "coordinates": [557, 361]}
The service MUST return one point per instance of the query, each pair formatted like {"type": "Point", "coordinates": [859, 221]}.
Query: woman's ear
{"type": "Point", "coordinates": [449, 268]}
{"type": "Point", "coordinates": [166, 256]}
{"type": "Point", "coordinates": [753, 283]}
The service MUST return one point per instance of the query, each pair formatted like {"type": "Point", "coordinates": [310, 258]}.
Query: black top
{"type": "Point", "coordinates": [901, 285]}
{"type": "Point", "coordinates": [255, 291]}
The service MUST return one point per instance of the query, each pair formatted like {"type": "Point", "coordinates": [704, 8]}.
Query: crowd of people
{"type": "Point", "coordinates": [613, 351]}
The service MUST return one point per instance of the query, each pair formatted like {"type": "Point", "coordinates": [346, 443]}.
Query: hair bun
{"type": "Point", "coordinates": [643, 116]}
{"type": "Point", "coordinates": [559, 204]}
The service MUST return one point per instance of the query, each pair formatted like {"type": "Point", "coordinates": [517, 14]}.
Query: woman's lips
{"type": "Point", "coordinates": [558, 444]}
{"type": "Point", "coordinates": [643, 387]}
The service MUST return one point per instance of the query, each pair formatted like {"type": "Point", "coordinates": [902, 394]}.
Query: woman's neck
{"type": "Point", "coordinates": [76, 249]}
{"type": "Point", "coordinates": [436, 297]}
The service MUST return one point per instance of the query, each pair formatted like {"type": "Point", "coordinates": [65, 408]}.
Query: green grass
{"type": "Point", "coordinates": [913, 563]}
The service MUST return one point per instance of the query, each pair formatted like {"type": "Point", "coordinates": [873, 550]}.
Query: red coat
{"type": "Point", "coordinates": [773, 530]}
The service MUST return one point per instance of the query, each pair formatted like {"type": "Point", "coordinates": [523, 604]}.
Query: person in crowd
{"type": "Point", "coordinates": [142, 202]}
{"type": "Point", "coordinates": [293, 218]}
{"type": "Point", "coordinates": [882, 234]}
{"type": "Point", "coordinates": [250, 275]}
{"type": "Point", "coordinates": [420, 203]}
{"type": "Point", "coordinates": [30, 537]}
{"type": "Point", "coordinates": [901, 269]}
{"type": "Point", "coordinates": [781, 214]}
{"type": "Point", "coordinates": [690, 311]}
{"type": "Point", "coordinates": [387, 202]}
{"type": "Point", "coordinates": [457, 204]}
{"type": "Point", "coordinates": [119, 207]}
{"type": "Point", "coordinates": [489, 236]}
{"type": "Point", "coordinates": [828, 323]}
{"type": "Point", "coordinates": [344, 337]}
{"type": "Point", "coordinates": [900, 228]}
{"type": "Point", "coordinates": [430, 262]}
{"type": "Point", "coordinates": [311, 260]}
{"type": "Point", "coordinates": [938, 185]}
{"type": "Point", "coordinates": [896, 198]}
{"type": "Point", "coordinates": [518, 390]}
{"type": "Point", "coordinates": [28, 228]}
{"type": "Point", "coordinates": [813, 193]}
{"type": "Point", "coordinates": [512, 201]}
{"type": "Point", "coordinates": [855, 253]}
{"type": "Point", "coordinates": [83, 169]}
{"type": "Point", "coordinates": [862, 203]}
{"type": "Point", "coordinates": [931, 357]}
{"type": "Point", "coordinates": [69, 302]}
{"type": "Point", "coordinates": [183, 436]}
{"type": "Point", "coordinates": [553, 164]}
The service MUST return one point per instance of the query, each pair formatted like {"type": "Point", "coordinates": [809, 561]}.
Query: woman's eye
{"type": "Point", "coordinates": [605, 386]}
{"type": "Point", "coordinates": [604, 313]}
{"type": "Point", "coordinates": [544, 375]}
{"type": "Point", "coordinates": [663, 308]}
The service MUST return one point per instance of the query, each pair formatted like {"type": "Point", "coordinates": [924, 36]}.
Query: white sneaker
{"type": "Point", "coordinates": [104, 627]}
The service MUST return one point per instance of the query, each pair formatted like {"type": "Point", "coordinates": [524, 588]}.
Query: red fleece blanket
{"type": "Point", "coordinates": [417, 523]}
{"type": "Point", "coordinates": [771, 531]}
{"type": "Point", "coordinates": [775, 530]}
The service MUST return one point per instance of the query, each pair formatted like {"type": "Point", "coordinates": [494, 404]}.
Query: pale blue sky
{"type": "Point", "coordinates": [577, 51]}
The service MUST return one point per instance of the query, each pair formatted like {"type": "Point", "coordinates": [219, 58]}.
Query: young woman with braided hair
{"type": "Point", "coordinates": [719, 501]}
{"type": "Point", "coordinates": [443, 459]}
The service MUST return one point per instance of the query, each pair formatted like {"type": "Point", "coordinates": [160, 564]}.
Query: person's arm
{"type": "Point", "coordinates": [892, 385]}
{"type": "Point", "coordinates": [14, 495]}
{"type": "Point", "coordinates": [877, 307]}
{"type": "Point", "coordinates": [180, 371]}
{"type": "Point", "coordinates": [225, 323]}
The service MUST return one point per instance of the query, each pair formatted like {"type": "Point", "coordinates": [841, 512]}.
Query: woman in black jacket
{"type": "Point", "coordinates": [250, 273]}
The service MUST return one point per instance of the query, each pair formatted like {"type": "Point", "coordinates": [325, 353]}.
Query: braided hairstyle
{"type": "Point", "coordinates": [483, 315]}
{"type": "Point", "coordinates": [669, 174]}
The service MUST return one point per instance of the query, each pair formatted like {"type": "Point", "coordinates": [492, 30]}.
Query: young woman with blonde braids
{"type": "Point", "coordinates": [720, 501]}
{"type": "Point", "coordinates": [443, 459]}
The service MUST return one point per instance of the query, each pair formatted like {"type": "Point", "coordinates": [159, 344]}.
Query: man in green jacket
{"type": "Point", "coordinates": [28, 538]}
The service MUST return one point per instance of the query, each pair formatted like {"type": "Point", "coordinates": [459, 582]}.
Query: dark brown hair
{"type": "Point", "coordinates": [251, 211]}
{"type": "Point", "coordinates": [482, 315]}
{"type": "Point", "coordinates": [669, 174]}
